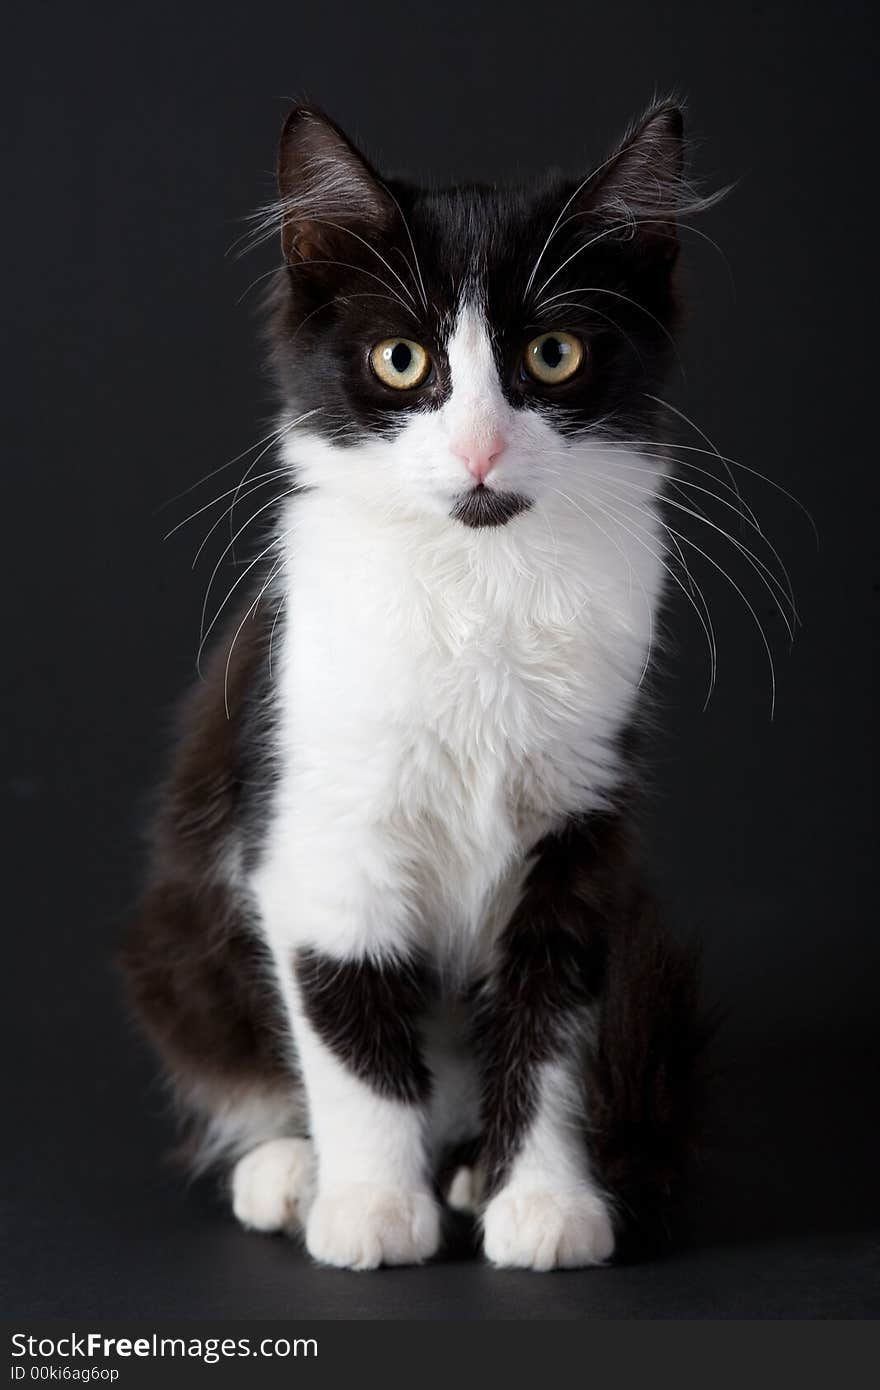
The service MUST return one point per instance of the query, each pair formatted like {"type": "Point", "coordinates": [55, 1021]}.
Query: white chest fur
{"type": "Point", "coordinates": [446, 696]}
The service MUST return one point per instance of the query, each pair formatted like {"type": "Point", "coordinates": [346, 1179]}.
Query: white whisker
{"type": "Point", "coordinates": [596, 289]}
{"type": "Point", "coordinates": [204, 632]}
{"type": "Point", "coordinates": [275, 434]}
{"type": "Point", "coordinates": [559, 220]}
{"type": "Point", "coordinates": [278, 564]}
{"type": "Point", "coordinates": [705, 622]}
{"type": "Point", "coordinates": [701, 515]}
{"type": "Point", "coordinates": [273, 473]}
{"type": "Point", "coordinates": [298, 421]}
{"type": "Point", "coordinates": [681, 415]}
{"type": "Point", "coordinates": [418, 269]}
{"type": "Point", "coordinates": [754, 561]}
{"type": "Point", "coordinates": [649, 607]}
{"type": "Point", "coordinates": [227, 512]}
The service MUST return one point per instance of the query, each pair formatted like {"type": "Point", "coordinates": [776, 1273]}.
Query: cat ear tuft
{"type": "Point", "coordinates": [327, 188]}
{"type": "Point", "coordinates": [640, 187]}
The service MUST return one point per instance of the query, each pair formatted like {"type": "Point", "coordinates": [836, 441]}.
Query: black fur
{"type": "Point", "coordinates": [369, 1015]}
{"type": "Point", "coordinates": [197, 971]}
{"type": "Point", "coordinates": [482, 507]}
{"type": "Point", "coordinates": [550, 970]}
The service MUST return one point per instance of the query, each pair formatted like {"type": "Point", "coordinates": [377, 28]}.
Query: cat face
{"type": "Point", "coordinates": [463, 353]}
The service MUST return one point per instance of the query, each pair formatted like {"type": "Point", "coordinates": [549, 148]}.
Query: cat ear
{"type": "Point", "coordinates": [327, 188]}
{"type": "Point", "coordinates": [640, 189]}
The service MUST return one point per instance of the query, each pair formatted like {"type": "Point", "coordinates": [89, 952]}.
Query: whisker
{"type": "Point", "coordinates": [756, 564]}
{"type": "Point", "coordinates": [559, 220]}
{"type": "Point", "coordinates": [705, 622]}
{"type": "Point", "coordinates": [360, 270]}
{"type": "Point", "coordinates": [276, 433]}
{"type": "Point", "coordinates": [273, 270]}
{"type": "Point", "coordinates": [732, 582]}
{"type": "Point", "coordinates": [771, 482]}
{"type": "Point", "coordinates": [339, 227]}
{"type": "Point", "coordinates": [596, 289]}
{"type": "Point", "coordinates": [204, 632]}
{"type": "Point", "coordinates": [585, 246]}
{"type": "Point", "coordinates": [669, 458]}
{"type": "Point", "coordinates": [703, 615]}
{"type": "Point", "coordinates": [591, 309]}
{"type": "Point", "coordinates": [701, 515]}
{"type": "Point", "coordinates": [273, 473]}
{"type": "Point", "coordinates": [785, 590]}
{"type": "Point", "coordinates": [247, 471]}
{"type": "Point", "coordinates": [628, 447]}
{"type": "Point", "coordinates": [269, 219]}
{"type": "Point", "coordinates": [227, 512]}
{"type": "Point", "coordinates": [702, 205]}
{"type": "Point", "coordinates": [649, 607]}
{"type": "Point", "coordinates": [629, 225]}
{"type": "Point", "coordinates": [278, 564]}
{"type": "Point", "coordinates": [418, 268]}
{"type": "Point", "coordinates": [723, 572]}
{"type": "Point", "coordinates": [681, 415]}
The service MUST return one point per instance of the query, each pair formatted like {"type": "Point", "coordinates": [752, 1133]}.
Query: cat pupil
{"type": "Point", "coordinates": [552, 352]}
{"type": "Point", "coordinates": [401, 357]}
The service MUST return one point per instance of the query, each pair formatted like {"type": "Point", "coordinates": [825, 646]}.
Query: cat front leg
{"type": "Point", "coordinates": [356, 999]}
{"type": "Point", "coordinates": [547, 1211]}
{"type": "Point", "coordinates": [535, 1023]}
{"type": "Point", "coordinates": [368, 1087]}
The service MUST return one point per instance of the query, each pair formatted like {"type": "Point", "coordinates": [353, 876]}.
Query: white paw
{"type": "Point", "coordinates": [273, 1185]}
{"type": "Point", "coordinates": [360, 1227]}
{"type": "Point", "coordinates": [546, 1230]}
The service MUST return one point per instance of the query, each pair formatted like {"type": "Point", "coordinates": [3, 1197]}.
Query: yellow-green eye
{"type": "Point", "coordinates": [401, 363]}
{"type": "Point", "coordinates": [553, 357]}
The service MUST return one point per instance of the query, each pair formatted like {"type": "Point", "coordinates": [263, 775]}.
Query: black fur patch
{"type": "Point", "coordinates": [647, 1081]}
{"type": "Point", "coordinates": [369, 1015]}
{"type": "Point", "coordinates": [196, 968]}
{"type": "Point", "coordinates": [484, 506]}
{"type": "Point", "coordinates": [550, 968]}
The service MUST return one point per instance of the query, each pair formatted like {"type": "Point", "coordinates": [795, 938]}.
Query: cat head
{"type": "Point", "coordinates": [458, 353]}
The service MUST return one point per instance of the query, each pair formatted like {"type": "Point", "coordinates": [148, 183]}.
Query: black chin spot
{"type": "Point", "coordinates": [484, 507]}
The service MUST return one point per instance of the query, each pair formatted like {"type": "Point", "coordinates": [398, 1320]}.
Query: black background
{"type": "Point", "coordinates": [139, 137]}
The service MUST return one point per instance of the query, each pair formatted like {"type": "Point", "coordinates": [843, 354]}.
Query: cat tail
{"type": "Point", "coordinates": [649, 1073]}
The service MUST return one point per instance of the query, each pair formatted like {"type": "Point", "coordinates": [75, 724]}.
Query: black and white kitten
{"type": "Point", "coordinates": [393, 907]}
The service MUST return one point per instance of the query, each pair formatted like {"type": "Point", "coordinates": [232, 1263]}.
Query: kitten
{"type": "Point", "coordinates": [394, 913]}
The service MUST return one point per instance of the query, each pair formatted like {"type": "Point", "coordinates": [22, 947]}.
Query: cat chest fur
{"type": "Point", "coordinates": [441, 706]}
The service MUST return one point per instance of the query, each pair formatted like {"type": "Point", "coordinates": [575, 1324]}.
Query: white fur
{"type": "Point", "coordinates": [547, 1229]}
{"type": "Point", "coordinates": [361, 1227]}
{"type": "Point", "coordinates": [447, 696]}
{"type": "Point", "coordinates": [273, 1185]}
{"type": "Point", "coordinates": [550, 1213]}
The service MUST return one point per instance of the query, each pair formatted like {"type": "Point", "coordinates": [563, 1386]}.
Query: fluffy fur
{"type": "Point", "coordinates": [394, 906]}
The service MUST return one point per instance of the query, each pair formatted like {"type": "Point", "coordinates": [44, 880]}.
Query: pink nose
{"type": "Point", "coordinates": [480, 459]}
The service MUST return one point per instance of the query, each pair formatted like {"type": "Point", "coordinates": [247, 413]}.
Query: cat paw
{"type": "Point", "coordinates": [361, 1227]}
{"type": "Point", "coordinates": [273, 1185]}
{"type": "Point", "coordinates": [546, 1230]}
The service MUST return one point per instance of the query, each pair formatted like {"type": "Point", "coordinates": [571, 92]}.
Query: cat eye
{"type": "Point", "coordinates": [554, 357]}
{"type": "Point", "coordinates": [400, 363]}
